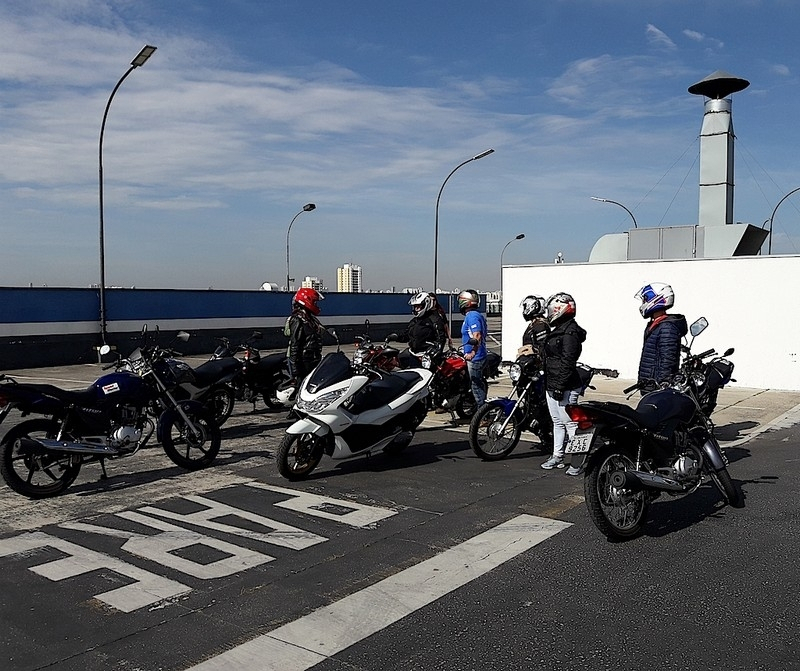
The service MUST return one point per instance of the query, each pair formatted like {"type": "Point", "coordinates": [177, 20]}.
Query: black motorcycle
{"type": "Point", "coordinates": [257, 376]}
{"type": "Point", "coordinates": [666, 444]}
{"type": "Point", "coordinates": [110, 419]}
{"type": "Point", "coordinates": [497, 426]}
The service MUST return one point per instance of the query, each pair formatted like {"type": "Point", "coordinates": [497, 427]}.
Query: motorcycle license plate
{"type": "Point", "coordinates": [580, 442]}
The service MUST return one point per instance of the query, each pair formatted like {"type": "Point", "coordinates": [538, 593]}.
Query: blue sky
{"type": "Point", "coordinates": [250, 109]}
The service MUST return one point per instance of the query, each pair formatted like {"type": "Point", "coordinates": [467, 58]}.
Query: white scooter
{"type": "Point", "coordinates": [347, 410]}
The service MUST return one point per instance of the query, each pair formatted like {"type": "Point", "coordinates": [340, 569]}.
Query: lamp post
{"type": "Point", "coordinates": [438, 198]}
{"type": "Point", "coordinates": [772, 216]}
{"type": "Point", "coordinates": [141, 59]}
{"type": "Point", "coordinates": [306, 208]}
{"type": "Point", "coordinates": [519, 237]}
{"type": "Point", "coordinates": [606, 200]}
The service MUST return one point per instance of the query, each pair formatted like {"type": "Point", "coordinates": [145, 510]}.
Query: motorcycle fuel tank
{"type": "Point", "coordinates": [121, 387]}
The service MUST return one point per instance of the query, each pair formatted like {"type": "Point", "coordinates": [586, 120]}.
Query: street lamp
{"type": "Point", "coordinates": [772, 216]}
{"type": "Point", "coordinates": [306, 208]}
{"type": "Point", "coordinates": [438, 198]}
{"type": "Point", "coordinates": [519, 237]}
{"type": "Point", "coordinates": [141, 59]}
{"type": "Point", "coordinates": [606, 200]}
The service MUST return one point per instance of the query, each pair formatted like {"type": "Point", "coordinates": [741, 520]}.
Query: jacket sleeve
{"type": "Point", "coordinates": [297, 341]}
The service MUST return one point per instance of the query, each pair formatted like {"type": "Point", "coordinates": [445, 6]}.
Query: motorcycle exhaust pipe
{"type": "Point", "coordinates": [642, 480]}
{"type": "Point", "coordinates": [32, 446]}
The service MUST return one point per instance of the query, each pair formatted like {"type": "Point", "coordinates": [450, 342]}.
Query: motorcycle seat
{"type": "Point", "coordinates": [644, 416]}
{"type": "Point", "coordinates": [214, 370]}
{"type": "Point", "coordinates": [77, 396]}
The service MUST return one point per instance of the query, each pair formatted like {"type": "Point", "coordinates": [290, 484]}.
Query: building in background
{"type": "Point", "coordinates": [312, 283]}
{"type": "Point", "coordinates": [348, 279]}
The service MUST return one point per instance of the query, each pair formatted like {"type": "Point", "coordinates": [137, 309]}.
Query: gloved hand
{"type": "Point", "coordinates": [556, 395]}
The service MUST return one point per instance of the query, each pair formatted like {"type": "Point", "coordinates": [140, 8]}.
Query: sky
{"type": "Point", "coordinates": [250, 109]}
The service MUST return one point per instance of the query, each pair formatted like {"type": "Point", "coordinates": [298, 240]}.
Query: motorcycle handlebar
{"type": "Point", "coordinates": [633, 387]}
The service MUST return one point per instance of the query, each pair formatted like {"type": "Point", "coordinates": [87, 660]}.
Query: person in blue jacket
{"type": "Point", "coordinates": [661, 350]}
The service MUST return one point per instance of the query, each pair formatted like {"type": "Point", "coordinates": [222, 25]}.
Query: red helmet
{"type": "Point", "coordinates": [307, 298]}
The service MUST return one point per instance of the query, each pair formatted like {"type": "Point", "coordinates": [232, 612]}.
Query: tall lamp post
{"type": "Point", "coordinates": [438, 198]}
{"type": "Point", "coordinates": [772, 216]}
{"type": "Point", "coordinates": [141, 59]}
{"type": "Point", "coordinates": [306, 208]}
{"type": "Point", "coordinates": [606, 200]}
{"type": "Point", "coordinates": [519, 237]}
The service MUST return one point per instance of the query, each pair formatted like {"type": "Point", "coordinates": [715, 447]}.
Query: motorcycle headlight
{"type": "Point", "coordinates": [427, 362]}
{"type": "Point", "coordinates": [320, 402]}
{"type": "Point", "coordinates": [515, 372]}
{"type": "Point", "coordinates": [358, 357]}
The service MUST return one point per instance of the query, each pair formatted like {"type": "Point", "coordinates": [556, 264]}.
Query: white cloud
{"type": "Point", "coordinates": [658, 38]}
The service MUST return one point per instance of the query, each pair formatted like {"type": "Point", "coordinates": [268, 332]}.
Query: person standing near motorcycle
{"type": "Point", "coordinates": [426, 327]}
{"type": "Point", "coordinates": [562, 348]}
{"type": "Point", "coordinates": [305, 333]}
{"type": "Point", "coordinates": [474, 332]}
{"type": "Point", "coordinates": [537, 328]}
{"type": "Point", "coordinates": [661, 350]}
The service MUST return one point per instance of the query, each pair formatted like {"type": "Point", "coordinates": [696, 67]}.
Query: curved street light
{"type": "Point", "coordinates": [438, 198]}
{"type": "Point", "coordinates": [141, 59]}
{"type": "Point", "coordinates": [772, 216]}
{"type": "Point", "coordinates": [519, 237]}
{"type": "Point", "coordinates": [606, 200]}
{"type": "Point", "coordinates": [306, 208]}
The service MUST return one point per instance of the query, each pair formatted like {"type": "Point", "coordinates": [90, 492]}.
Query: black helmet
{"type": "Point", "coordinates": [532, 306]}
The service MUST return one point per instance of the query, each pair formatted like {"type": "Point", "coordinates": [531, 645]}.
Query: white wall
{"type": "Point", "coordinates": [751, 303]}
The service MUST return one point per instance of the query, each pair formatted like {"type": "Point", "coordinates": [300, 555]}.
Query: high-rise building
{"type": "Point", "coordinates": [313, 283]}
{"type": "Point", "coordinates": [348, 278]}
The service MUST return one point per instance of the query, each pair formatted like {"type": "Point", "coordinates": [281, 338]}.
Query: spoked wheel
{"type": "Point", "coordinates": [191, 449]}
{"type": "Point", "coordinates": [729, 491]}
{"type": "Point", "coordinates": [298, 455]}
{"type": "Point", "coordinates": [36, 473]}
{"type": "Point", "coordinates": [219, 402]}
{"type": "Point", "coordinates": [618, 513]}
{"type": "Point", "coordinates": [487, 438]}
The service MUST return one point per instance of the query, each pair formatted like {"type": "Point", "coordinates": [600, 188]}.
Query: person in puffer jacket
{"type": "Point", "coordinates": [661, 350]}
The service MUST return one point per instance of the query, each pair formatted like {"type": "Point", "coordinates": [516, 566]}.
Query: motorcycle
{"type": "Point", "coordinates": [497, 426]}
{"type": "Point", "coordinates": [108, 420]}
{"type": "Point", "coordinates": [258, 377]}
{"type": "Point", "coordinates": [346, 410]}
{"type": "Point", "coordinates": [380, 355]}
{"type": "Point", "coordinates": [666, 444]}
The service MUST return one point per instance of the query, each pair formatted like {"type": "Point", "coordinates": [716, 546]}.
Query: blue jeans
{"type": "Point", "coordinates": [476, 380]}
{"type": "Point", "coordinates": [563, 426]}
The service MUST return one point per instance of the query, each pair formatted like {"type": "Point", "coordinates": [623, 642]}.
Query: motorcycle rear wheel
{"type": "Point", "coordinates": [270, 399]}
{"type": "Point", "coordinates": [41, 475]}
{"type": "Point", "coordinates": [484, 433]}
{"type": "Point", "coordinates": [220, 401]}
{"type": "Point", "coordinates": [298, 455]}
{"type": "Point", "coordinates": [186, 449]}
{"type": "Point", "coordinates": [619, 514]}
{"type": "Point", "coordinates": [466, 406]}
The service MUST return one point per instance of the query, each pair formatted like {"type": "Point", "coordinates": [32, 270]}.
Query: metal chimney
{"type": "Point", "coordinates": [716, 148]}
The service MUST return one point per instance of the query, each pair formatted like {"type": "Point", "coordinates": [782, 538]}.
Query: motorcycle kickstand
{"type": "Point", "coordinates": [103, 474]}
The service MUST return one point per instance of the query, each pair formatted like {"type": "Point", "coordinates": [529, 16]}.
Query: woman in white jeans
{"type": "Point", "coordinates": [562, 348]}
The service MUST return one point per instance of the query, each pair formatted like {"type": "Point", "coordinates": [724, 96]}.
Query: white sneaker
{"type": "Point", "coordinates": [574, 470]}
{"type": "Point", "coordinates": [553, 462]}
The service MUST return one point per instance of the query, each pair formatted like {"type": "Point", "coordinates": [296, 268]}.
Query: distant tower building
{"type": "Point", "coordinates": [312, 283]}
{"type": "Point", "coordinates": [348, 278]}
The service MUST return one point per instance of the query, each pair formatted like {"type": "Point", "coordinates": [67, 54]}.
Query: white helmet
{"type": "Point", "coordinates": [655, 296]}
{"type": "Point", "coordinates": [467, 300]}
{"type": "Point", "coordinates": [532, 306]}
{"type": "Point", "coordinates": [422, 303]}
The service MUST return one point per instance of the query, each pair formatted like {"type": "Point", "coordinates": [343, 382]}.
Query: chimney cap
{"type": "Point", "coordinates": [718, 85]}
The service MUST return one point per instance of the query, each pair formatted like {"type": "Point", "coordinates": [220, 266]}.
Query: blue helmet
{"type": "Point", "coordinates": [655, 296]}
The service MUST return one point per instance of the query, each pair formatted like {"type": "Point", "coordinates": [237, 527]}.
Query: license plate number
{"type": "Point", "coordinates": [581, 442]}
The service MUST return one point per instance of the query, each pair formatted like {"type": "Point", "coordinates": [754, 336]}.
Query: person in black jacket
{"type": "Point", "coordinates": [305, 333]}
{"type": "Point", "coordinates": [562, 348]}
{"type": "Point", "coordinates": [428, 327]}
{"type": "Point", "coordinates": [661, 349]}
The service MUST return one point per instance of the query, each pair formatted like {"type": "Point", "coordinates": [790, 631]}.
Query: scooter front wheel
{"type": "Point", "coordinates": [487, 438]}
{"type": "Point", "coordinates": [298, 455]}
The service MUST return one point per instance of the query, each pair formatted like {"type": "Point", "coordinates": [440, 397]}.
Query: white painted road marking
{"type": "Point", "coordinates": [301, 644]}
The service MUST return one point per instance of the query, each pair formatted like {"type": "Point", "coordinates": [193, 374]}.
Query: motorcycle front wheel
{"type": "Point", "coordinates": [190, 449]}
{"type": "Point", "coordinates": [724, 483]}
{"type": "Point", "coordinates": [298, 455]}
{"type": "Point", "coordinates": [619, 514]}
{"type": "Point", "coordinates": [220, 401]}
{"type": "Point", "coordinates": [40, 473]}
{"type": "Point", "coordinates": [485, 437]}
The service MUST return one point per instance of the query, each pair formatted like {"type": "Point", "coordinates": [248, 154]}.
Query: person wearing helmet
{"type": "Point", "coordinates": [305, 333]}
{"type": "Point", "coordinates": [661, 349]}
{"type": "Point", "coordinates": [427, 327]}
{"type": "Point", "coordinates": [474, 332]}
{"type": "Point", "coordinates": [537, 328]}
{"type": "Point", "coordinates": [562, 348]}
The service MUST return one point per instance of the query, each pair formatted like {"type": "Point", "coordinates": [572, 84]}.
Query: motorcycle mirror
{"type": "Point", "coordinates": [728, 351]}
{"type": "Point", "coordinates": [698, 327]}
{"type": "Point", "coordinates": [105, 349]}
{"type": "Point", "coordinates": [182, 336]}
{"type": "Point", "coordinates": [256, 334]}
{"type": "Point", "coordinates": [391, 336]}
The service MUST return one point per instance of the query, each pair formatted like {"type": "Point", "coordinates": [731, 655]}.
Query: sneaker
{"type": "Point", "coordinates": [575, 470]}
{"type": "Point", "coordinates": [553, 462]}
